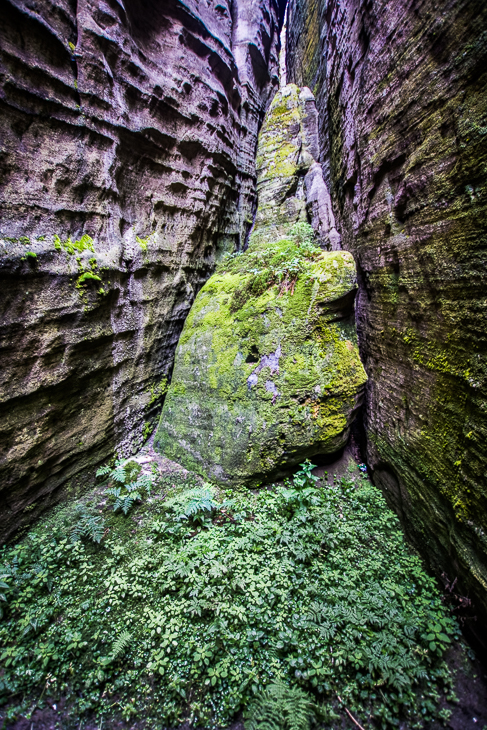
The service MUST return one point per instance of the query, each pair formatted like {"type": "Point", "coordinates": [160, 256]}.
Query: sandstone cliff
{"type": "Point", "coordinates": [128, 166]}
{"type": "Point", "coordinates": [401, 91]}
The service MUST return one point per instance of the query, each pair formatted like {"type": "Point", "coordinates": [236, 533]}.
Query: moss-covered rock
{"type": "Point", "coordinates": [267, 369]}
{"type": "Point", "coordinates": [290, 182]}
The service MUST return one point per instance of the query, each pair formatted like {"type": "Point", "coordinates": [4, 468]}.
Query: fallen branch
{"type": "Point", "coordinates": [350, 714]}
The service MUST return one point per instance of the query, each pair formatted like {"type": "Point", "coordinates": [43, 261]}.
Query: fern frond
{"type": "Point", "coordinates": [102, 471]}
{"type": "Point", "coordinates": [87, 525]}
{"type": "Point", "coordinates": [279, 707]}
{"type": "Point", "coordinates": [144, 483]}
{"type": "Point", "coordinates": [120, 644]}
{"type": "Point", "coordinates": [118, 474]}
{"type": "Point", "coordinates": [127, 502]}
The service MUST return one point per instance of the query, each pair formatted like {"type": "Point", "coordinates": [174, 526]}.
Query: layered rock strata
{"type": "Point", "coordinates": [128, 167]}
{"type": "Point", "coordinates": [401, 91]}
{"type": "Point", "coordinates": [267, 370]}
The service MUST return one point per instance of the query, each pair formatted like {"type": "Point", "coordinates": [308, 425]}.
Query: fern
{"type": "Point", "coordinates": [124, 499]}
{"type": "Point", "coordinates": [130, 487]}
{"type": "Point", "coordinates": [120, 645]}
{"type": "Point", "coordinates": [196, 505]}
{"type": "Point", "coordinates": [279, 707]}
{"type": "Point", "coordinates": [86, 525]}
{"type": "Point", "coordinates": [103, 471]}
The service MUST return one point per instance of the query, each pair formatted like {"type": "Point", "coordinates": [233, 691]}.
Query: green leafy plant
{"type": "Point", "coordinates": [301, 493]}
{"type": "Point", "coordinates": [274, 264]}
{"type": "Point", "coordinates": [304, 235]}
{"type": "Point", "coordinates": [198, 606]}
{"type": "Point", "coordinates": [305, 478]}
{"type": "Point", "coordinates": [7, 574]}
{"type": "Point", "coordinates": [279, 707]}
{"type": "Point", "coordinates": [86, 524]}
{"type": "Point", "coordinates": [436, 636]}
{"type": "Point", "coordinates": [120, 645]}
{"type": "Point", "coordinates": [129, 487]}
{"type": "Point", "coordinates": [197, 506]}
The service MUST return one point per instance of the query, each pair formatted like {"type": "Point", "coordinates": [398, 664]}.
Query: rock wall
{"type": "Point", "coordinates": [127, 167]}
{"type": "Point", "coordinates": [401, 92]}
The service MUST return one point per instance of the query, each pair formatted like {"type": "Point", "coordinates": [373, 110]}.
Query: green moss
{"type": "Point", "coordinates": [306, 369]}
{"type": "Point", "coordinates": [157, 391]}
{"type": "Point", "coordinates": [143, 242]}
{"type": "Point", "coordinates": [87, 276]}
{"type": "Point", "coordinates": [85, 243]}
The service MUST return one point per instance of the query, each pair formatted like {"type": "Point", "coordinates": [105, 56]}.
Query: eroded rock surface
{"type": "Point", "coordinates": [267, 370]}
{"type": "Point", "coordinates": [401, 92]}
{"type": "Point", "coordinates": [290, 183]}
{"type": "Point", "coordinates": [128, 166]}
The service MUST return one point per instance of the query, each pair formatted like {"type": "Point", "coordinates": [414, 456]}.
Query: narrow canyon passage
{"type": "Point", "coordinates": [239, 240]}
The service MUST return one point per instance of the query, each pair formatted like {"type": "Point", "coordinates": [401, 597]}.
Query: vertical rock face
{"type": "Point", "coordinates": [401, 91]}
{"type": "Point", "coordinates": [267, 369]}
{"type": "Point", "coordinates": [128, 166]}
{"type": "Point", "coordinates": [290, 182]}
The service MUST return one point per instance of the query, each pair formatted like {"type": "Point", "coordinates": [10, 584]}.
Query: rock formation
{"type": "Point", "coordinates": [290, 183]}
{"type": "Point", "coordinates": [128, 167]}
{"type": "Point", "coordinates": [401, 92]}
{"type": "Point", "coordinates": [267, 370]}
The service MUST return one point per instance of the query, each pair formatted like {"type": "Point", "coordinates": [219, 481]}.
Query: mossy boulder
{"type": "Point", "coordinates": [267, 369]}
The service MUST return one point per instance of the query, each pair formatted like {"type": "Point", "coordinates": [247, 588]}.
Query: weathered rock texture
{"type": "Point", "coordinates": [290, 183]}
{"type": "Point", "coordinates": [267, 370]}
{"type": "Point", "coordinates": [127, 166]}
{"type": "Point", "coordinates": [401, 91]}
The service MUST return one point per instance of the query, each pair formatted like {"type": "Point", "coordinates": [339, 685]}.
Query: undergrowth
{"type": "Point", "coordinates": [272, 263]}
{"type": "Point", "coordinates": [201, 603]}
